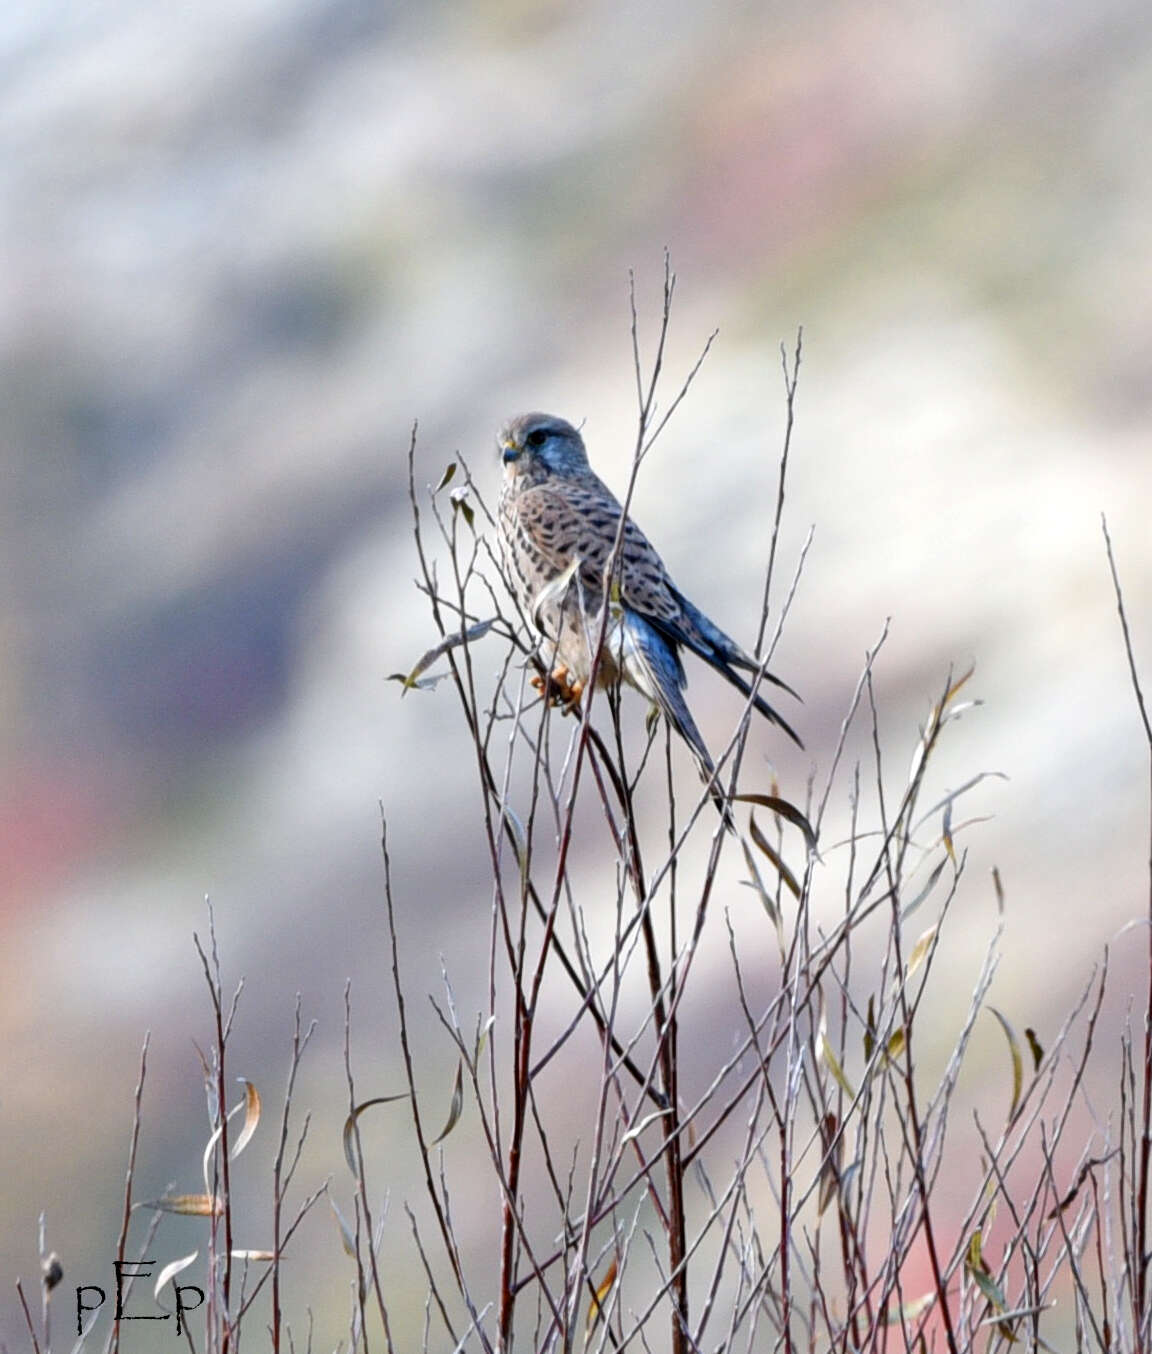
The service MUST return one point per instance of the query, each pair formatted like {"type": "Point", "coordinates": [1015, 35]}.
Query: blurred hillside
{"type": "Point", "coordinates": [247, 245]}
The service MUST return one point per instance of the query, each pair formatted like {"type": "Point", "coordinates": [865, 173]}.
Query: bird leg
{"type": "Point", "coordinates": [558, 689]}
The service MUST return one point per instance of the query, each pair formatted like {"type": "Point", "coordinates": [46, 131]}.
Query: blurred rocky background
{"type": "Point", "coordinates": [247, 244]}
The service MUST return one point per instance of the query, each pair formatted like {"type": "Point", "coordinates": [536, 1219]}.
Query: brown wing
{"type": "Point", "coordinates": [557, 522]}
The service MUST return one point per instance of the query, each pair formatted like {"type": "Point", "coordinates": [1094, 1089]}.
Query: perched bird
{"type": "Point", "coordinates": [558, 524]}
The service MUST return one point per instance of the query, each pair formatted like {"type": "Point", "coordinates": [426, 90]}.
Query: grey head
{"type": "Point", "coordinates": [542, 442]}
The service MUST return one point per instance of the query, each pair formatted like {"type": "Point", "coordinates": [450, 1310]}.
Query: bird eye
{"type": "Point", "coordinates": [536, 438]}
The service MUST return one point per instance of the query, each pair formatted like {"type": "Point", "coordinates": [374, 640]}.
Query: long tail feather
{"type": "Point", "coordinates": [656, 670]}
{"type": "Point", "coordinates": [720, 651]}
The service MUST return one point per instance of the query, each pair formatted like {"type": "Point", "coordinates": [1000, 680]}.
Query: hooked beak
{"type": "Point", "coordinates": [509, 452]}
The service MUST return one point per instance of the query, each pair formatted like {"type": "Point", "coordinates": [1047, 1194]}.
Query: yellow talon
{"type": "Point", "coordinates": [558, 689]}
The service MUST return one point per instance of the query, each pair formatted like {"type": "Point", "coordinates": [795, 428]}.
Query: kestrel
{"type": "Point", "coordinates": [558, 524]}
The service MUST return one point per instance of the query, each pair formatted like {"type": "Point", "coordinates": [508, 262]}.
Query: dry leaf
{"type": "Point", "coordinates": [251, 1117]}
{"type": "Point", "coordinates": [190, 1205]}
{"type": "Point", "coordinates": [596, 1306]}
{"type": "Point", "coordinates": [786, 875]}
{"type": "Point", "coordinates": [920, 951]}
{"type": "Point", "coordinates": [1017, 1062]}
{"type": "Point", "coordinates": [785, 810]}
{"type": "Point", "coordinates": [449, 642]}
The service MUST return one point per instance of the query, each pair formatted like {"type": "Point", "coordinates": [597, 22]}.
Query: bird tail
{"type": "Point", "coordinates": [709, 642]}
{"type": "Point", "coordinates": [655, 669]}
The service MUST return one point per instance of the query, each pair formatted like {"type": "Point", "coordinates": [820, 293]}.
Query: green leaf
{"type": "Point", "coordinates": [909, 908]}
{"type": "Point", "coordinates": [349, 1134]}
{"type": "Point", "coordinates": [455, 1109]}
{"type": "Point", "coordinates": [766, 899]}
{"type": "Point", "coordinates": [482, 1038]}
{"type": "Point", "coordinates": [1017, 1062]}
{"type": "Point", "coordinates": [989, 1288]}
{"type": "Point", "coordinates": [828, 1053]}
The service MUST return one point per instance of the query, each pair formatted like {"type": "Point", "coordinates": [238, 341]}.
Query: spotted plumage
{"type": "Point", "coordinates": [558, 526]}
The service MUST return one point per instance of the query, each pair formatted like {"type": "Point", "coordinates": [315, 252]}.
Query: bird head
{"type": "Point", "coordinates": [542, 442]}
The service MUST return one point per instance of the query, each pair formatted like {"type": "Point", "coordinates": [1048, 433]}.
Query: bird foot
{"type": "Point", "coordinates": [559, 690]}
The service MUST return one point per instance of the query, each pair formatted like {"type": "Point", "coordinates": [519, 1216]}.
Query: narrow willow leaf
{"type": "Point", "coordinates": [909, 908]}
{"type": "Point", "coordinates": [939, 715]}
{"type": "Point", "coordinates": [786, 875]}
{"type": "Point", "coordinates": [785, 810]}
{"type": "Point", "coordinates": [993, 1201]}
{"type": "Point", "coordinates": [920, 951]}
{"type": "Point", "coordinates": [896, 1044]}
{"type": "Point", "coordinates": [482, 1038]}
{"type": "Point", "coordinates": [448, 643]}
{"type": "Point", "coordinates": [1017, 1062]}
{"type": "Point", "coordinates": [251, 1117]}
{"type": "Point", "coordinates": [1035, 1047]}
{"type": "Point", "coordinates": [347, 1235]}
{"type": "Point", "coordinates": [989, 1288]}
{"type": "Point", "coordinates": [265, 1257]}
{"type": "Point", "coordinates": [956, 687]}
{"type": "Point", "coordinates": [953, 795]}
{"type": "Point", "coordinates": [766, 899]}
{"type": "Point", "coordinates": [429, 683]}
{"type": "Point", "coordinates": [455, 1109]}
{"type": "Point", "coordinates": [1081, 1176]}
{"type": "Point", "coordinates": [170, 1270]}
{"type": "Point", "coordinates": [833, 1064]}
{"type": "Point", "coordinates": [210, 1145]}
{"type": "Point", "coordinates": [830, 1165]}
{"type": "Point", "coordinates": [946, 833]}
{"type": "Point", "coordinates": [870, 1029]}
{"type": "Point", "coordinates": [460, 504]}
{"type": "Point", "coordinates": [206, 1163]}
{"type": "Point", "coordinates": [189, 1205]}
{"type": "Point", "coordinates": [637, 1129]}
{"type": "Point", "coordinates": [908, 1311]}
{"type": "Point", "coordinates": [447, 477]}
{"type": "Point", "coordinates": [349, 1134]}
{"type": "Point", "coordinates": [596, 1306]}
{"type": "Point", "coordinates": [981, 1275]}
{"type": "Point", "coordinates": [918, 756]}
